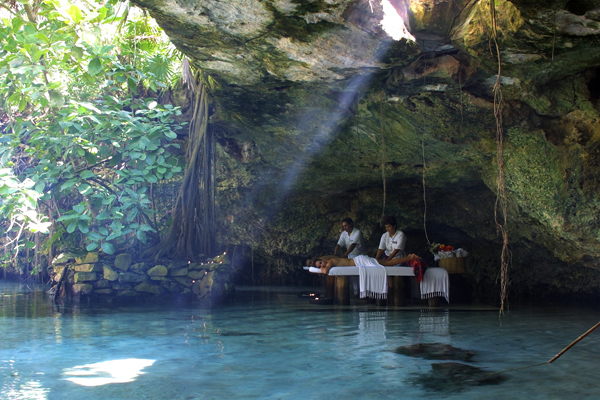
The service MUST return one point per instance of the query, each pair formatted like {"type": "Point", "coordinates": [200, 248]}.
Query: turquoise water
{"type": "Point", "coordinates": [272, 345]}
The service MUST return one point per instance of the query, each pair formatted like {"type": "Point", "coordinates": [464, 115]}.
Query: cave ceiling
{"type": "Point", "coordinates": [329, 108]}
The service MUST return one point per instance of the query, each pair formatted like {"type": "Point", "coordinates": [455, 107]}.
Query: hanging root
{"type": "Point", "coordinates": [501, 199]}
{"type": "Point", "coordinates": [382, 153]}
{"type": "Point", "coordinates": [191, 232]}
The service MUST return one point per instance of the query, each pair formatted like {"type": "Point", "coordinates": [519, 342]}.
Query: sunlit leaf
{"type": "Point", "coordinates": [85, 189]}
{"type": "Point", "coordinates": [75, 13]}
{"type": "Point", "coordinates": [95, 66]}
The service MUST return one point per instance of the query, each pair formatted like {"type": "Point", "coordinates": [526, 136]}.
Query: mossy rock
{"type": "Point", "coordinates": [159, 278]}
{"type": "Point", "coordinates": [91, 258]}
{"type": "Point", "coordinates": [82, 288]}
{"type": "Point", "coordinates": [109, 273]}
{"type": "Point", "coordinates": [104, 292]}
{"type": "Point", "coordinates": [148, 287]}
{"type": "Point", "coordinates": [196, 274]}
{"type": "Point", "coordinates": [130, 277]}
{"type": "Point", "coordinates": [101, 284]}
{"type": "Point", "coordinates": [87, 268]}
{"type": "Point", "coordinates": [206, 285]}
{"type": "Point", "coordinates": [221, 259]}
{"type": "Point", "coordinates": [122, 286]}
{"type": "Point", "coordinates": [178, 264]}
{"type": "Point", "coordinates": [185, 281]}
{"type": "Point", "coordinates": [170, 286]}
{"type": "Point", "coordinates": [158, 270]}
{"type": "Point", "coordinates": [84, 277]}
{"type": "Point", "coordinates": [123, 261]}
{"type": "Point", "coordinates": [139, 268]}
{"type": "Point", "coordinates": [178, 272]}
{"type": "Point", "coordinates": [127, 293]}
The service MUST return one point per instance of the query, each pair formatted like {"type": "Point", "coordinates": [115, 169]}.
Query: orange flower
{"type": "Point", "coordinates": [448, 248]}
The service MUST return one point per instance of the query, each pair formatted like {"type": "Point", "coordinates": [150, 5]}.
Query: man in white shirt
{"type": "Point", "coordinates": [351, 239]}
{"type": "Point", "coordinates": [392, 241]}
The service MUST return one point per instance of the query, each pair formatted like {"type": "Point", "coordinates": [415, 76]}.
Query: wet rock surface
{"type": "Point", "coordinates": [452, 377]}
{"type": "Point", "coordinates": [435, 351]}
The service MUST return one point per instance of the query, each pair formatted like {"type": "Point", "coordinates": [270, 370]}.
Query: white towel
{"type": "Point", "coordinates": [435, 283]}
{"type": "Point", "coordinates": [372, 278]}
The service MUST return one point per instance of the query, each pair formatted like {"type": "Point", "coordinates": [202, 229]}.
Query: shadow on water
{"type": "Point", "coordinates": [448, 377]}
{"type": "Point", "coordinates": [435, 351]}
{"type": "Point", "coordinates": [453, 377]}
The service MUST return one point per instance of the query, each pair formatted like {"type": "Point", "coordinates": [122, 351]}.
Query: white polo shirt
{"type": "Point", "coordinates": [389, 244]}
{"type": "Point", "coordinates": [354, 237]}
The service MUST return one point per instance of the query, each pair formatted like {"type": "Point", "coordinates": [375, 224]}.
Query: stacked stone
{"type": "Point", "coordinates": [121, 278]}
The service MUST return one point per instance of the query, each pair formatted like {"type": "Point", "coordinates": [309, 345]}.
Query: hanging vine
{"type": "Point", "coordinates": [500, 206]}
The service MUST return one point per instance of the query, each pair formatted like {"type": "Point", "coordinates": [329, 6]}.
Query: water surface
{"type": "Point", "coordinates": [270, 344]}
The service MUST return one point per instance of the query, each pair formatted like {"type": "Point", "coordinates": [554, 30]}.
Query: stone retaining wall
{"type": "Point", "coordinates": [98, 277]}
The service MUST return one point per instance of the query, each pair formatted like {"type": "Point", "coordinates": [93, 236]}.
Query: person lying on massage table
{"type": "Point", "coordinates": [311, 261]}
{"type": "Point", "coordinates": [326, 265]}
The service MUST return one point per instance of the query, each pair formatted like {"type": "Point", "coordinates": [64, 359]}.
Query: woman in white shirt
{"type": "Point", "coordinates": [392, 241]}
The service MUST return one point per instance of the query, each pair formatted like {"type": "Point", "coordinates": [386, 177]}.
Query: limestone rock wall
{"type": "Point", "coordinates": [323, 112]}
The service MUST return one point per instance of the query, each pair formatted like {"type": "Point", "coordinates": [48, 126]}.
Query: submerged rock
{"type": "Point", "coordinates": [455, 377]}
{"type": "Point", "coordinates": [435, 351]}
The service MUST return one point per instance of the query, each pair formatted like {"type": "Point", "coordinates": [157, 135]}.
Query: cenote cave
{"type": "Point", "coordinates": [282, 199]}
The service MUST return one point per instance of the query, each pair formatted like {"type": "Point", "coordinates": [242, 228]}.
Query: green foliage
{"type": "Point", "coordinates": [84, 148]}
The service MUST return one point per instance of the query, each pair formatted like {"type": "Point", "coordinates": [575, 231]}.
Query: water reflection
{"type": "Point", "coordinates": [371, 327]}
{"type": "Point", "coordinates": [434, 322]}
{"type": "Point", "coordinates": [30, 390]}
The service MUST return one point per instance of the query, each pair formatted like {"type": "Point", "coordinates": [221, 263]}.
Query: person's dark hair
{"type": "Point", "coordinates": [348, 220]}
{"type": "Point", "coordinates": [390, 220]}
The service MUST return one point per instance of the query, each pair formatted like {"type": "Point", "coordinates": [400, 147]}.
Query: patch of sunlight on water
{"type": "Point", "coordinates": [270, 344]}
{"type": "Point", "coordinates": [118, 371]}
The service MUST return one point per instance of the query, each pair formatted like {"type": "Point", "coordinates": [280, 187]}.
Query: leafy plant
{"type": "Point", "coordinates": [81, 147]}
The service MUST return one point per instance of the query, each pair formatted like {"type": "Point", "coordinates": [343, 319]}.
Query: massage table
{"type": "Point", "coordinates": [435, 283]}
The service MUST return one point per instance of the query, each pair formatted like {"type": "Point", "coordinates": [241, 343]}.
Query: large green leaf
{"type": "Point", "coordinates": [71, 227]}
{"type": "Point", "coordinates": [87, 174]}
{"type": "Point", "coordinates": [95, 66]}
{"type": "Point", "coordinates": [108, 248]}
{"type": "Point", "coordinates": [83, 226]}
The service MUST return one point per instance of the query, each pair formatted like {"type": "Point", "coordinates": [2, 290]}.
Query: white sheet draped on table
{"type": "Point", "coordinates": [372, 278]}
{"type": "Point", "coordinates": [435, 284]}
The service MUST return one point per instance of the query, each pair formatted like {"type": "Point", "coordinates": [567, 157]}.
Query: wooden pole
{"type": "Point", "coordinates": [574, 342]}
{"type": "Point", "coordinates": [396, 291]}
{"type": "Point", "coordinates": [330, 288]}
{"type": "Point", "coordinates": [342, 287]}
{"type": "Point", "coordinates": [553, 358]}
